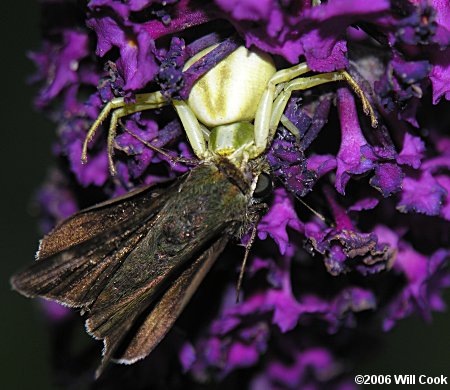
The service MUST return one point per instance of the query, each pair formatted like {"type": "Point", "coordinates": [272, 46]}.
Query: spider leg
{"type": "Point", "coordinates": [275, 97]}
{"type": "Point", "coordinates": [194, 131]}
{"type": "Point", "coordinates": [120, 108]}
{"type": "Point", "coordinates": [303, 83]}
{"type": "Point", "coordinates": [157, 149]}
{"type": "Point", "coordinates": [265, 106]}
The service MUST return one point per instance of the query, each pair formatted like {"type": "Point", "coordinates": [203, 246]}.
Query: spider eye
{"type": "Point", "coordinates": [264, 186]}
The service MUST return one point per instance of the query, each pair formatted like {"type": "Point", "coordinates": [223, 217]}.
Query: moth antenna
{"type": "Point", "coordinates": [158, 150]}
{"type": "Point", "coordinates": [244, 261]}
{"type": "Point", "coordinates": [316, 213]}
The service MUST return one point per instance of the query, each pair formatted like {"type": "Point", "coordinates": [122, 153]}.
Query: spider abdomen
{"type": "Point", "coordinates": [230, 92]}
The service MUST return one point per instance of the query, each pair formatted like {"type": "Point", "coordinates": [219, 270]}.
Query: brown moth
{"type": "Point", "coordinates": [131, 264]}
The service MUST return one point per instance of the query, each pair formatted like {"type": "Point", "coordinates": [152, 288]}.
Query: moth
{"type": "Point", "coordinates": [135, 261]}
{"type": "Point", "coordinates": [132, 264]}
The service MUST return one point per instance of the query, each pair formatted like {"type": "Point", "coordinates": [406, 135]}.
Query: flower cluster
{"type": "Point", "coordinates": [377, 250]}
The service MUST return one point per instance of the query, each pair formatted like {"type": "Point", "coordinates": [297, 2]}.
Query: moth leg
{"type": "Point", "coordinates": [193, 129]}
{"type": "Point", "coordinates": [264, 110]}
{"type": "Point", "coordinates": [244, 261]}
{"type": "Point", "coordinates": [119, 108]}
{"type": "Point", "coordinates": [260, 209]}
{"type": "Point", "coordinates": [303, 83]}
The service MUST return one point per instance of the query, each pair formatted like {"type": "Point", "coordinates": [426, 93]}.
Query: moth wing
{"type": "Point", "coordinates": [147, 274]}
{"type": "Point", "coordinates": [115, 215]}
{"type": "Point", "coordinates": [163, 314]}
{"type": "Point", "coordinates": [83, 251]}
{"type": "Point", "coordinates": [76, 276]}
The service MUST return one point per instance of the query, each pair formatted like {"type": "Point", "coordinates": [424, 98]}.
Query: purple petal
{"type": "Point", "coordinates": [437, 163]}
{"type": "Point", "coordinates": [421, 194]}
{"type": "Point", "coordinates": [401, 87]}
{"type": "Point", "coordinates": [444, 182]}
{"type": "Point", "coordinates": [241, 355]}
{"type": "Point", "coordinates": [56, 200]}
{"type": "Point", "coordinates": [304, 370]}
{"type": "Point", "coordinates": [280, 216]}
{"type": "Point", "coordinates": [55, 311]}
{"type": "Point", "coordinates": [136, 64]}
{"type": "Point", "coordinates": [183, 17]}
{"type": "Point", "coordinates": [354, 156]}
{"type": "Point", "coordinates": [387, 179]}
{"type": "Point", "coordinates": [426, 278]}
{"type": "Point", "coordinates": [247, 9]}
{"type": "Point", "coordinates": [364, 204]}
{"type": "Point", "coordinates": [412, 151]}
{"type": "Point", "coordinates": [187, 356]}
{"type": "Point", "coordinates": [324, 55]}
{"type": "Point", "coordinates": [286, 310]}
{"type": "Point", "coordinates": [323, 47]}
{"type": "Point", "coordinates": [440, 75]}
{"type": "Point", "coordinates": [321, 164]}
{"type": "Point", "coordinates": [59, 66]}
{"type": "Point", "coordinates": [95, 172]}
{"type": "Point", "coordinates": [350, 300]}
{"type": "Point", "coordinates": [288, 164]}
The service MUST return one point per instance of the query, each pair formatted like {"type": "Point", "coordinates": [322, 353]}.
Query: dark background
{"type": "Point", "coordinates": [413, 347]}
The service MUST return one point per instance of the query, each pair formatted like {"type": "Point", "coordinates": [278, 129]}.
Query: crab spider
{"type": "Point", "coordinates": [234, 109]}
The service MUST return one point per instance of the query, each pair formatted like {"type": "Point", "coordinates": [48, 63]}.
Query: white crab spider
{"type": "Point", "coordinates": [234, 109]}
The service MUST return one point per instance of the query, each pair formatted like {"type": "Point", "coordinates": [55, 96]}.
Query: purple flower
{"type": "Point", "coordinates": [377, 199]}
{"type": "Point", "coordinates": [402, 85]}
{"type": "Point", "coordinates": [135, 63]}
{"type": "Point", "coordinates": [425, 278]}
{"type": "Point", "coordinates": [281, 216]}
{"type": "Point", "coordinates": [355, 155]}
{"type": "Point", "coordinates": [422, 194]}
{"type": "Point", "coordinates": [309, 369]}
{"type": "Point", "coordinates": [58, 65]}
{"type": "Point", "coordinates": [387, 179]}
{"type": "Point", "coordinates": [412, 151]}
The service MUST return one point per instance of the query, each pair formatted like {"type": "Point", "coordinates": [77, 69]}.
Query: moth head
{"type": "Point", "coordinates": [264, 187]}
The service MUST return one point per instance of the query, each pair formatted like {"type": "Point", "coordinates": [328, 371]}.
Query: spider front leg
{"type": "Point", "coordinates": [274, 100]}
{"type": "Point", "coordinates": [300, 83]}
{"type": "Point", "coordinates": [193, 129]}
{"type": "Point", "coordinates": [265, 106]}
{"type": "Point", "coordinates": [120, 108]}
